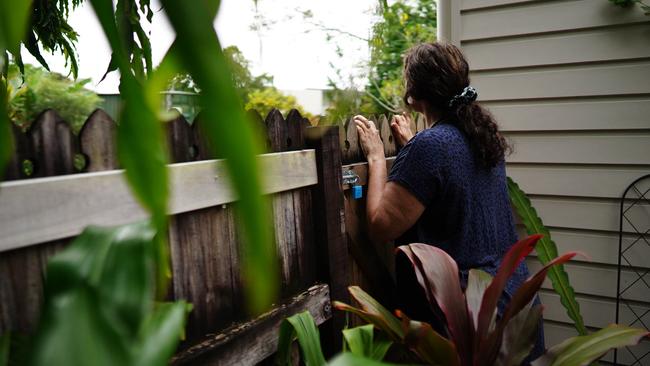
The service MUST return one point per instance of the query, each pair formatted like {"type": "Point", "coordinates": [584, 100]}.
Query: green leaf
{"type": "Point", "coordinates": [77, 331]}
{"type": "Point", "coordinates": [389, 323]}
{"type": "Point", "coordinates": [117, 262]}
{"type": "Point", "coordinates": [127, 278]}
{"type": "Point", "coordinates": [140, 144]}
{"type": "Point", "coordinates": [230, 132]}
{"type": "Point", "coordinates": [5, 342]}
{"type": "Point", "coordinates": [582, 350]}
{"type": "Point", "coordinates": [361, 342]}
{"type": "Point", "coordinates": [349, 359]}
{"type": "Point", "coordinates": [14, 16]}
{"type": "Point", "coordinates": [301, 325]}
{"type": "Point", "coordinates": [160, 334]}
{"type": "Point", "coordinates": [546, 251]}
{"type": "Point", "coordinates": [99, 297]}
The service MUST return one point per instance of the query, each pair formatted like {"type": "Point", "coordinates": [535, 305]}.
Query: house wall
{"type": "Point", "coordinates": [569, 83]}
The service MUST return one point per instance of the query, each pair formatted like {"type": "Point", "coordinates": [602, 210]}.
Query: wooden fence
{"type": "Point", "coordinates": [320, 235]}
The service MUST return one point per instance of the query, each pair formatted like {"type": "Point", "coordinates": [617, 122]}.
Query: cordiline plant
{"type": "Point", "coordinates": [476, 337]}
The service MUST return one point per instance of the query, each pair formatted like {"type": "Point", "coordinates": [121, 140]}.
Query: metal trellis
{"type": "Point", "coordinates": [634, 231]}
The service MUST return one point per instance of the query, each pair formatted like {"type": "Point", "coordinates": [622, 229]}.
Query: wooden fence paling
{"type": "Point", "coordinates": [203, 234]}
{"type": "Point", "coordinates": [50, 145]}
{"type": "Point", "coordinates": [203, 246]}
{"type": "Point", "coordinates": [329, 226]}
{"type": "Point", "coordinates": [97, 139]}
{"type": "Point", "coordinates": [302, 202]}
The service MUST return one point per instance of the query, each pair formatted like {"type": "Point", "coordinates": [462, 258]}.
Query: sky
{"type": "Point", "coordinates": [289, 47]}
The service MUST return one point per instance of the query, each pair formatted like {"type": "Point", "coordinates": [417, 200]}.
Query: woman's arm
{"type": "Point", "coordinates": [391, 209]}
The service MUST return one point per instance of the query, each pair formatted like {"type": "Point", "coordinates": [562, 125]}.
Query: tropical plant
{"type": "Point", "coordinates": [360, 342]}
{"type": "Point", "coordinates": [476, 336]}
{"type": "Point", "coordinates": [547, 250]}
{"type": "Point", "coordinates": [36, 90]}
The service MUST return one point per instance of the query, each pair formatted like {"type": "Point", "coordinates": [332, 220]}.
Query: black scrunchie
{"type": "Point", "coordinates": [468, 95]}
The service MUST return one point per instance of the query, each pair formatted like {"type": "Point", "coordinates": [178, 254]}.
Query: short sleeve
{"type": "Point", "coordinates": [419, 166]}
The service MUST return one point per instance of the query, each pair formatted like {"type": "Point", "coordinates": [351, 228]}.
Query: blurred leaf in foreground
{"type": "Point", "coordinates": [232, 135]}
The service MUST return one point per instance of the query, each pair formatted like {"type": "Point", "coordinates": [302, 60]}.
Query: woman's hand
{"type": "Point", "coordinates": [371, 143]}
{"type": "Point", "coordinates": [400, 126]}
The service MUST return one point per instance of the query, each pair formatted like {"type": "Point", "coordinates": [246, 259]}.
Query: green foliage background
{"type": "Point", "coordinates": [38, 89]}
{"type": "Point", "coordinates": [399, 26]}
{"type": "Point", "coordinates": [255, 91]}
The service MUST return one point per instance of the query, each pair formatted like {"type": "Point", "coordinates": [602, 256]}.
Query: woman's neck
{"type": "Point", "coordinates": [431, 117]}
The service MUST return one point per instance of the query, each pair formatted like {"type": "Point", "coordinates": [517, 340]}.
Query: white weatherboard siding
{"type": "Point", "coordinates": [569, 83]}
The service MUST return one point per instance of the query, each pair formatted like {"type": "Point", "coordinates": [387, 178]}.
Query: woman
{"type": "Point", "coordinates": [447, 186]}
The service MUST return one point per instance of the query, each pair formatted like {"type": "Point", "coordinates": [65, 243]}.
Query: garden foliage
{"type": "Point", "coordinates": [474, 335]}
{"type": "Point", "coordinates": [37, 90]}
{"type": "Point", "coordinates": [547, 250]}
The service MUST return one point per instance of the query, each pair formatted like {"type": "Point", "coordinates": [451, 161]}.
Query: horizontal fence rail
{"type": "Point", "coordinates": [39, 210]}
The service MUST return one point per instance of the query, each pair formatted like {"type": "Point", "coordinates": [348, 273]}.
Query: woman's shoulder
{"type": "Point", "coordinates": [440, 136]}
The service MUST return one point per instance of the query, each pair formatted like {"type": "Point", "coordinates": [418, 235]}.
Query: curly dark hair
{"type": "Point", "coordinates": [436, 72]}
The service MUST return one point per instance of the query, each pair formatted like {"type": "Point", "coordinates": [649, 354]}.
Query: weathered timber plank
{"type": "Point", "coordinates": [21, 153]}
{"type": "Point", "coordinates": [252, 342]}
{"type": "Point", "coordinates": [205, 265]}
{"type": "Point", "coordinates": [374, 262]}
{"type": "Point", "coordinates": [22, 273]}
{"type": "Point", "coordinates": [334, 264]}
{"type": "Point", "coordinates": [97, 139]}
{"type": "Point", "coordinates": [52, 145]}
{"type": "Point", "coordinates": [180, 140]}
{"type": "Point", "coordinates": [38, 210]}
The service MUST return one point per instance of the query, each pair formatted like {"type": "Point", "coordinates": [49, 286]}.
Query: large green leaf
{"type": "Point", "coordinates": [372, 306]}
{"type": "Point", "coordinates": [159, 334]}
{"type": "Point", "coordinates": [5, 341]}
{"type": "Point", "coordinates": [582, 350]}
{"type": "Point", "coordinates": [232, 135]}
{"type": "Point", "coordinates": [546, 251]}
{"type": "Point", "coordinates": [13, 23]}
{"type": "Point", "coordinates": [14, 16]}
{"type": "Point", "coordinates": [117, 262]}
{"type": "Point", "coordinates": [98, 305]}
{"type": "Point", "coordinates": [303, 327]}
{"type": "Point", "coordinates": [76, 330]}
{"type": "Point", "coordinates": [141, 147]}
{"type": "Point", "coordinates": [361, 342]}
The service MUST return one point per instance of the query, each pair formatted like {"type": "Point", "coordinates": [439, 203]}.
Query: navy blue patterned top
{"type": "Point", "coordinates": [467, 209]}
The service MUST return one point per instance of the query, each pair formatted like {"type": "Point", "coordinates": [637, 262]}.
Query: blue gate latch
{"type": "Point", "coordinates": [351, 178]}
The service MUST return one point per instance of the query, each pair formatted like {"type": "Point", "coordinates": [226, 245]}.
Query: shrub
{"type": "Point", "coordinates": [39, 89]}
